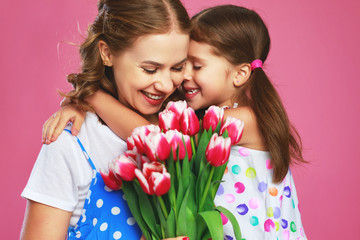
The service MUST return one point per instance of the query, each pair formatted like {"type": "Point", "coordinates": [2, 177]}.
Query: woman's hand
{"type": "Point", "coordinates": [57, 122]}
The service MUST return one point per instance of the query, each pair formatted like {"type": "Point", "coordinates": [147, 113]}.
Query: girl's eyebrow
{"type": "Point", "coordinates": [194, 58]}
{"type": "Point", "coordinates": [160, 64]}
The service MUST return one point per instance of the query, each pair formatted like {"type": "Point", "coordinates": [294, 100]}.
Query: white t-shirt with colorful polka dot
{"type": "Point", "coordinates": [264, 210]}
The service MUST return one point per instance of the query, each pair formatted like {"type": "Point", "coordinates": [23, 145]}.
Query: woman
{"type": "Point", "coordinates": [135, 51]}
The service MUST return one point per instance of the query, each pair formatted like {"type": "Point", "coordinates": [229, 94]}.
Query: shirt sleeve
{"type": "Point", "coordinates": [53, 180]}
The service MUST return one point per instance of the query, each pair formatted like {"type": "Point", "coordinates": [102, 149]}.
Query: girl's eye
{"type": "Point", "coordinates": [150, 71]}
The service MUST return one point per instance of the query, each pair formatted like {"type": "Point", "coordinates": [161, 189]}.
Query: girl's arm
{"type": "Point", "coordinates": [119, 118]}
{"type": "Point", "coordinates": [42, 222]}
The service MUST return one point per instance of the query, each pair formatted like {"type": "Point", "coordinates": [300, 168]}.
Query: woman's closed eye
{"type": "Point", "coordinates": [178, 69]}
{"type": "Point", "coordinates": [150, 70]}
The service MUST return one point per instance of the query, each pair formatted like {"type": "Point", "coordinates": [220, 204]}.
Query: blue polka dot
{"type": "Point", "coordinates": [242, 209]}
{"type": "Point", "coordinates": [284, 223]}
{"type": "Point", "coordinates": [262, 187]}
{"type": "Point", "coordinates": [277, 212]}
{"type": "Point", "coordinates": [220, 190]}
{"type": "Point", "coordinates": [236, 169]}
{"type": "Point", "coordinates": [287, 192]}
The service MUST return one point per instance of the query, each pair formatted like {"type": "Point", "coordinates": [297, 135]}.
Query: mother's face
{"type": "Point", "coordinates": [149, 72]}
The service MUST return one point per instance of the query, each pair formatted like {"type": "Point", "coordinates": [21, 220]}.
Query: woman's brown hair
{"type": "Point", "coordinates": [119, 24]}
{"type": "Point", "coordinates": [241, 36]}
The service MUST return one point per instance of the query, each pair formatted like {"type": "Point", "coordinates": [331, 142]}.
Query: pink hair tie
{"type": "Point", "coordinates": [257, 63]}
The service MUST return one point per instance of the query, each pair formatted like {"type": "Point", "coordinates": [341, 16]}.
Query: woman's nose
{"type": "Point", "coordinates": [165, 84]}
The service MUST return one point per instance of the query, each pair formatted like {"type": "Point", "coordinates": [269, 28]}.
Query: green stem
{"type": "Point", "coordinates": [163, 208]}
{"type": "Point", "coordinates": [207, 186]}
{"type": "Point", "coordinates": [193, 145]}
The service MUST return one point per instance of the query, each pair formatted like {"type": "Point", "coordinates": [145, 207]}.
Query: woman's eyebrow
{"type": "Point", "coordinates": [160, 64]}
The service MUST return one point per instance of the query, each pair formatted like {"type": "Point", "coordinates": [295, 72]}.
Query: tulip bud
{"type": "Point", "coordinates": [189, 122]}
{"type": "Point", "coordinates": [234, 127]}
{"type": "Point", "coordinates": [110, 180]}
{"type": "Point", "coordinates": [177, 107]}
{"type": "Point", "coordinates": [124, 167]}
{"type": "Point", "coordinates": [218, 150]}
{"type": "Point", "coordinates": [160, 182]}
{"type": "Point", "coordinates": [212, 117]}
{"type": "Point", "coordinates": [168, 120]}
{"type": "Point", "coordinates": [137, 137]}
{"type": "Point", "coordinates": [175, 139]}
{"type": "Point", "coordinates": [156, 147]}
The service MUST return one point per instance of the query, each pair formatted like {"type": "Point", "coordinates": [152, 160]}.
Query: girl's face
{"type": "Point", "coordinates": [208, 78]}
{"type": "Point", "coordinates": [148, 72]}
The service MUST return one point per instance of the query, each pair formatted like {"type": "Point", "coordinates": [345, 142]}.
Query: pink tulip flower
{"type": "Point", "coordinates": [175, 139]}
{"type": "Point", "coordinates": [168, 120]}
{"type": "Point", "coordinates": [154, 179]}
{"type": "Point", "coordinates": [212, 117]}
{"type": "Point", "coordinates": [218, 150]}
{"type": "Point", "coordinates": [156, 147]}
{"type": "Point", "coordinates": [235, 128]}
{"type": "Point", "coordinates": [124, 167]}
{"type": "Point", "coordinates": [189, 122]}
{"type": "Point", "coordinates": [110, 180]}
{"type": "Point", "coordinates": [137, 138]}
{"type": "Point", "coordinates": [177, 107]}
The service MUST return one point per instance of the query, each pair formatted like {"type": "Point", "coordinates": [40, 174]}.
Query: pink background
{"type": "Point", "coordinates": [314, 63]}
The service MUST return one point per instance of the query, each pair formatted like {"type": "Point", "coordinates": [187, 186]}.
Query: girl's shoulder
{"type": "Point", "coordinates": [252, 137]}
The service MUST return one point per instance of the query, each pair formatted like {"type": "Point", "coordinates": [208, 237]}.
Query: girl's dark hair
{"type": "Point", "coordinates": [240, 35]}
{"type": "Point", "coordinates": [119, 24]}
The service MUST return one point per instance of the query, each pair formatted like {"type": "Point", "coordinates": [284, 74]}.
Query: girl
{"type": "Point", "coordinates": [128, 39]}
{"type": "Point", "coordinates": [228, 47]}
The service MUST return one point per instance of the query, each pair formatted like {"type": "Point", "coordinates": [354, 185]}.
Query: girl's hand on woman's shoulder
{"type": "Point", "coordinates": [53, 127]}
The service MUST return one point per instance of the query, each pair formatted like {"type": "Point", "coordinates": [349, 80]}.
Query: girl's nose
{"type": "Point", "coordinates": [188, 71]}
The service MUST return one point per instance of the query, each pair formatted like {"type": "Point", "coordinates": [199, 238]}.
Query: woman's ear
{"type": "Point", "coordinates": [242, 74]}
{"type": "Point", "coordinates": [105, 53]}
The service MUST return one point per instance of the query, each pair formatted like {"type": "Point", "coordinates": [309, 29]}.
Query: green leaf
{"type": "Point", "coordinates": [218, 126]}
{"type": "Point", "coordinates": [146, 210]}
{"type": "Point", "coordinates": [232, 219]}
{"type": "Point", "coordinates": [213, 223]}
{"type": "Point", "coordinates": [170, 229]}
{"type": "Point", "coordinates": [133, 203]}
{"type": "Point", "coordinates": [181, 219]}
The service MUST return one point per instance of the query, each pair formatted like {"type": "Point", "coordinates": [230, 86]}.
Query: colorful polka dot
{"type": "Point", "coordinates": [254, 203]}
{"type": "Point", "coordinates": [268, 164]}
{"type": "Point", "coordinates": [293, 203]}
{"type": "Point", "coordinates": [293, 227]}
{"type": "Point", "coordinates": [277, 212]}
{"type": "Point", "coordinates": [224, 219]}
{"type": "Point", "coordinates": [94, 221]}
{"type": "Point", "coordinates": [242, 209]}
{"type": "Point", "coordinates": [273, 191]}
{"type": "Point", "coordinates": [287, 192]}
{"type": "Point", "coordinates": [277, 226]}
{"type": "Point", "coordinates": [269, 225]}
{"type": "Point", "coordinates": [220, 190]}
{"type": "Point", "coordinates": [78, 234]}
{"type": "Point", "coordinates": [239, 187]}
{"type": "Point", "coordinates": [229, 198]}
{"type": "Point", "coordinates": [107, 189]}
{"type": "Point", "coordinates": [286, 235]}
{"type": "Point", "coordinates": [250, 172]}
{"type": "Point", "coordinates": [236, 169]}
{"type": "Point", "coordinates": [270, 212]}
{"type": "Point", "coordinates": [244, 152]}
{"type": "Point", "coordinates": [262, 187]}
{"type": "Point", "coordinates": [284, 223]}
{"type": "Point", "coordinates": [226, 170]}
{"type": "Point", "coordinates": [254, 221]}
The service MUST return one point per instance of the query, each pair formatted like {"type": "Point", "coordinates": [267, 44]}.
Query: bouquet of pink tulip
{"type": "Point", "coordinates": [170, 180]}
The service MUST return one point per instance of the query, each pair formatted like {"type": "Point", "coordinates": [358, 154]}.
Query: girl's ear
{"type": "Point", "coordinates": [105, 53]}
{"type": "Point", "coordinates": [242, 74]}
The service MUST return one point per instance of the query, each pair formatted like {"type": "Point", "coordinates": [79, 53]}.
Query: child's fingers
{"type": "Point", "coordinates": [78, 121]}
{"type": "Point", "coordinates": [51, 127]}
